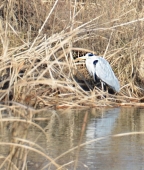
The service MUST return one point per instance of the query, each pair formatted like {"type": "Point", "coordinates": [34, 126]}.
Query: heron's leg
{"type": "Point", "coordinates": [104, 89]}
{"type": "Point", "coordinates": [102, 84]}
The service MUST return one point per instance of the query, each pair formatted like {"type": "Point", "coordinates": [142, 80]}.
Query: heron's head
{"type": "Point", "coordinates": [88, 55]}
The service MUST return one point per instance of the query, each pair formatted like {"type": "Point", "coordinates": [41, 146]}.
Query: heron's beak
{"type": "Point", "coordinates": [80, 58]}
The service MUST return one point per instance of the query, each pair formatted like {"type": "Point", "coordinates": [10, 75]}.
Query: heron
{"type": "Point", "coordinates": [100, 69]}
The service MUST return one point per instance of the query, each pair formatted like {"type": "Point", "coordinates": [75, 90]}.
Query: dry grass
{"type": "Point", "coordinates": [39, 42]}
{"type": "Point", "coordinates": [38, 48]}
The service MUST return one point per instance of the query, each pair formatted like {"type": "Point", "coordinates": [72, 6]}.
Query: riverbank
{"type": "Point", "coordinates": [39, 48]}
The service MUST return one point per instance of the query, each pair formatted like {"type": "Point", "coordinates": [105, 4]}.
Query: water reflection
{"type": "Point", "coordinates": [60, 135]}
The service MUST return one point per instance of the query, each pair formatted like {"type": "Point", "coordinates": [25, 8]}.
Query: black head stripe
{"type": "Point", "coordinates": [95, 62]}
{"type": "Point", "coordinates": [90, 54]}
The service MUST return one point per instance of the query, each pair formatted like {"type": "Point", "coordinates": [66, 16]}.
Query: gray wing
{"type": "Point", "coordinates": [105, 73]}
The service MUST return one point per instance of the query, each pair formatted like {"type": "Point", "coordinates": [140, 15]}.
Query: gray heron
{"type": "Point", "coordinates": [100, 69]}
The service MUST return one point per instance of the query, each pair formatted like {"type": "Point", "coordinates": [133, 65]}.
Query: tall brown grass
{"type": "Point", "coordinates": [41, 39]}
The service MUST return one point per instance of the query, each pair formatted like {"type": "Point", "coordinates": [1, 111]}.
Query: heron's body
{"type": "Point", "coordinates": [99, 68]}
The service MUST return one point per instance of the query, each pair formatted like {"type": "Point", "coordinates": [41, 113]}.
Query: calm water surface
{"type": "Point", "coordinates": [81, 139]}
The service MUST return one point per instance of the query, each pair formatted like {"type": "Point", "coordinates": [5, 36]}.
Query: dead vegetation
{"type": "Point", "coordinates": [41, 39]}
{"type": "Point", "coordinates": [39, 42]}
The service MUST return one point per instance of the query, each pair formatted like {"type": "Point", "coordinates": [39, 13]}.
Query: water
{"type": "Point", "coordinates": [77, 139]}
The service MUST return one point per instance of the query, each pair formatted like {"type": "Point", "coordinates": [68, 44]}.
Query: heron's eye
{"type": "Point", "coordinates": [90, 55]}
{"type": "Point", "coordinates": [95, 62]}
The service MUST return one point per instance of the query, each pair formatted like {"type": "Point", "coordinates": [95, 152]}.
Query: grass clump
{"type": "Point", "coordinates": [41, 39]}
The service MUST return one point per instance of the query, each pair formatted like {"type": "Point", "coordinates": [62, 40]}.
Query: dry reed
{"type": "Point", "coordinates": [40, 41]}
{"type": "Point", "coordinates": [38, 48]}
